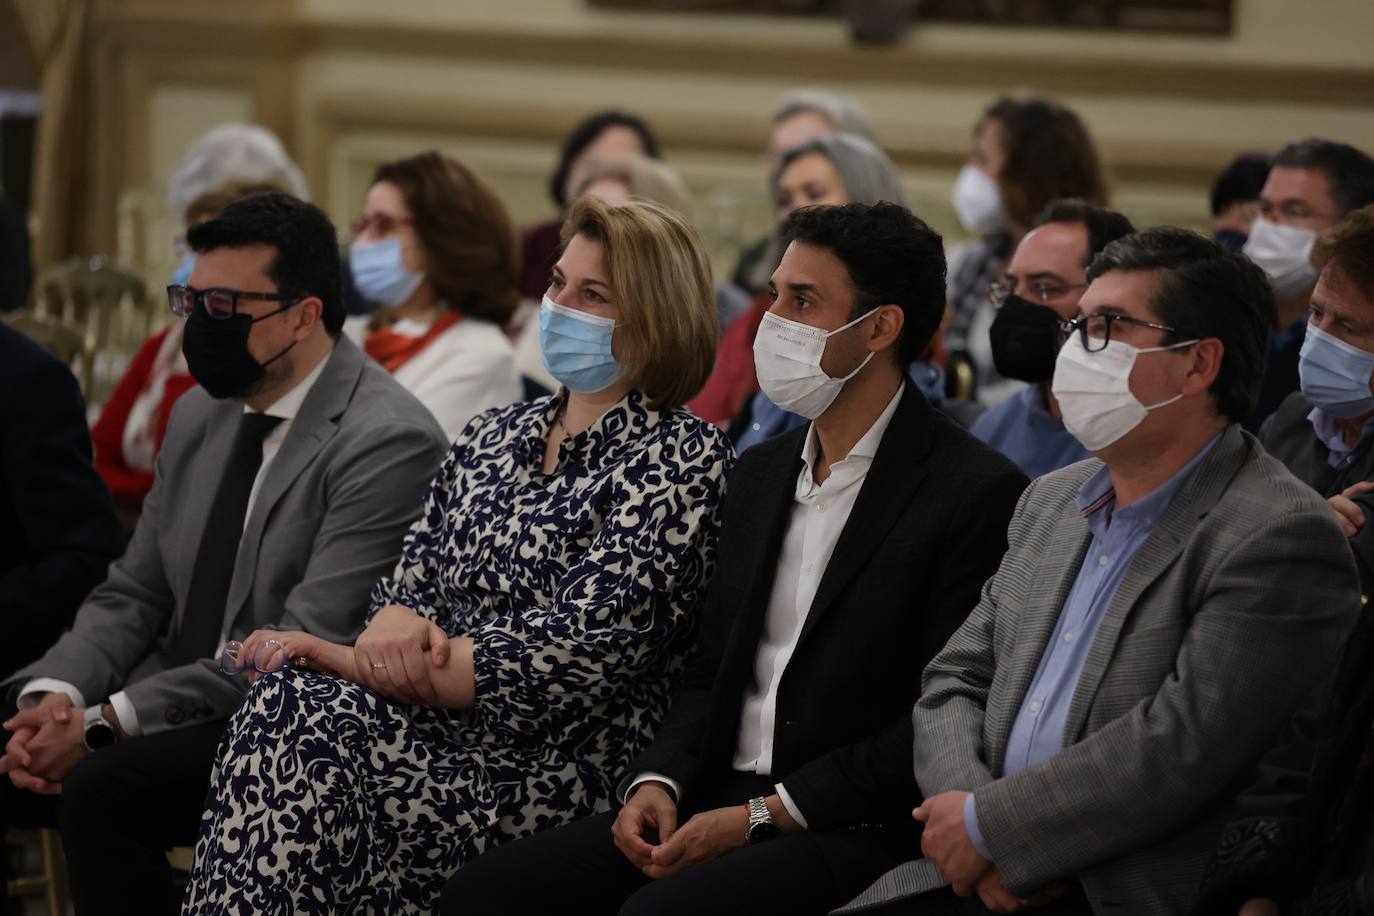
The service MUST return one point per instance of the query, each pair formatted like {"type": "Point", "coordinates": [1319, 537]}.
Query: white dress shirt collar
{"type": "Point", "coordinates": [859, 457]}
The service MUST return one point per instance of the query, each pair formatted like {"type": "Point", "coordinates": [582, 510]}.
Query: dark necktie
{"type": "Point", "coordinates": [203, 617]}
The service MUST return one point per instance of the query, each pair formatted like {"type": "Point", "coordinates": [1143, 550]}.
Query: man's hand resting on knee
{"type": "Point", "coordinates": [650, 808]}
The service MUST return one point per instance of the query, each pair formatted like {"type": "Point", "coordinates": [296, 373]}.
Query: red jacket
{"type": "Point", "coordinates": [130, 485]}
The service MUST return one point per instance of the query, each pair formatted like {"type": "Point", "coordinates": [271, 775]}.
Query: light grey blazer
{"type": "Point", "coordinates": [1231, 612]}
{"type": "Point", "coordinates": [328, 520]}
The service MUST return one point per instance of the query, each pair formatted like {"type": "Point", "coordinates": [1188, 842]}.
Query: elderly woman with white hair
{"type": "Point", "coordinates": [827, 170]}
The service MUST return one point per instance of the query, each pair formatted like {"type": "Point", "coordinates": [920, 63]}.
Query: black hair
{"type": "Point", "coordinates": [1102, 225]}
{"type": "Point", "coordinates": [1204, 291]}
{"type": "Point", "coordinates": [1240, 182]}
{"type": "Point", "coordinates": [584, 134]}
{"type": "Point", "coordinates": [892, 257]}
{"type": "Point", "coordinates": [307, 261]}
{"type": "Point", "coordinates": [1349, 172]}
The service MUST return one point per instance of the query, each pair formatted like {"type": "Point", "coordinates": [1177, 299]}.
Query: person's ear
{"type": "Point", "coordinates": [310, 312]}
{"type": "Point", "coordinates": [1205, 366]}
{"type": "Point", "coordinates": [887, 327]}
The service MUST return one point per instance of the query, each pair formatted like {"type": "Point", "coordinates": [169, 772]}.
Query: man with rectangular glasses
{"type": "Point", "coordinates": [1158, 615]}
{"type": "Point", "coordinates": [1044, 281]}
{"type": "Point", "coordinates": [282, 492]}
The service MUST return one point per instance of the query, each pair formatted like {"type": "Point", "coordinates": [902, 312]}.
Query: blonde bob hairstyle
{"type": "Point", "coordinates": [661, 286]}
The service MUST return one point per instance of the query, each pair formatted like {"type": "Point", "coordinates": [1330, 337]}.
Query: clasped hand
{"type": "Point", "coordinates": [45, 743]}
{"type": "Point", "coordinates": [706, 836]}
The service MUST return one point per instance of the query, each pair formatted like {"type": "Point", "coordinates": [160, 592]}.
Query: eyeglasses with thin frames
{"type": "Point", "coordinates": [1095, 330]}
{"type": "Point", "coordinates": [1001, 289]}
{"type": "Point", "coordinates": [220, 303]}
{"type": "Point", "coordinates": [383, 223]}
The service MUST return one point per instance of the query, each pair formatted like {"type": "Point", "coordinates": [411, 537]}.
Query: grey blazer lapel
{"type": "Point", "coordinates": [1190, 505]}
{"type": "Point", "coordinates": [313, 426]}
{"type": "Point", "coordinates": [1055, 573]}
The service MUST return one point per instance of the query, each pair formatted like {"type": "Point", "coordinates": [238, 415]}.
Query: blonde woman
{"type": "Point", "coordinates": [524, 649]}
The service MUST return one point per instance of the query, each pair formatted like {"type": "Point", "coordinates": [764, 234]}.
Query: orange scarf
{"type": "Point", "coordinates": [394, 350]}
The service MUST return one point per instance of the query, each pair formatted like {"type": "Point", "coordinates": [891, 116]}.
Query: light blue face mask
{"type": "Point", "coordinates": [379, 273]}
{"type": "Point", "coordinates": [577, 347]}
{"type": "Point", "coordinates": [183, 270]}
{"type": "Point", "coordinates": [1335, 375]}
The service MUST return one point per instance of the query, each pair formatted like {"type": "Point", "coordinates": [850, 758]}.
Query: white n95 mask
{"type": "Point", "coordinates": [1094, 390]}
{"type": "Point", "coordinates": [787, 358]}
{"type": "Point", "coordinates": [977, 200]}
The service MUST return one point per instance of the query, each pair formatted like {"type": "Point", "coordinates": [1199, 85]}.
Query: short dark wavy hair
{"type": "Point", "coordinates": [307, 260]}
{"type": "Point", "coordinates": [584, 134]}
{"type": "Point", "coordinates": [1204, 291]}
{"type": "Point", "coordinates": [891, 255]}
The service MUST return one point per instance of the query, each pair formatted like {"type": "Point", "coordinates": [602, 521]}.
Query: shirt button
{"type": "Point", "coordinates": [821, 507]}
{"type": "Point", "coordinates": [1103, 561]}
{"type": "Point", "coordinates": [1035, 706]}
{"type": "Point", "coordinates": [1068, 637]}
{"type": "Point", "coordinates": [757, 427]}
{"type": "Point", "coordinates": [808, 569]}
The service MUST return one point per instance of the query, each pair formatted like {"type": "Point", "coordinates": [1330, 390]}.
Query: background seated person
{"type": "Point", "coordinates": [435, 249]}
{"type": "Point", "coordinates": [1044, 281]}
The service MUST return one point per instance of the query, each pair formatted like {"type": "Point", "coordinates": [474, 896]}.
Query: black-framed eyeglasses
{"type": "Point", "coordinates": [1095, 330]}
{"type": "Point", "coordinates": [1001, 289]}
{"type": "Point", "coordinates": [220, 303]}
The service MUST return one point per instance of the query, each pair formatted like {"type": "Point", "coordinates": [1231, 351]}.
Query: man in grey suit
{"type": "Point", "coordinates": [1160, 611]}
{"type": "Point", "coordinates": [284, 487]}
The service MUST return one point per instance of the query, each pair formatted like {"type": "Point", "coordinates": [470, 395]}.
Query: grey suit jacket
{"type": "Point", "coordinates": [1229, 614]}
{"type": "Point", "coordinates": [328, 520]}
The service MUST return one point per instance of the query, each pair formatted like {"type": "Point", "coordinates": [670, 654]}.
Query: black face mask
{"type": "Point", "coordinates": [1025, 340]}
{"type": "Point", "coordinates": [216, 351]}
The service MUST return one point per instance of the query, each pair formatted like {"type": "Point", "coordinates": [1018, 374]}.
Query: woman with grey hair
{"type": "Point", "coordinates": [823, 171]}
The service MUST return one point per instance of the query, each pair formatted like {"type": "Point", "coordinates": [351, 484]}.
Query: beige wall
{"type": "Point", "coordinates": [349, 83]}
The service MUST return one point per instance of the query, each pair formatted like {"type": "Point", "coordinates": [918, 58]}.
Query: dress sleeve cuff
{"type": "Point", "coordinates": [35, 688]}
{"type": "Point", "coordinates": [791, 805]}
{"type": "Point", "coordinates": [971, 825]}
{"type": "Point", "coordinates": [628, 785]}
{"type": "Point", "coordinates": [125, 712]}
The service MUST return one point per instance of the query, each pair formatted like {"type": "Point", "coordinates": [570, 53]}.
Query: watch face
{"type": "Point", "coordinates": [759, 833]}
{"type": "Point", "coordinates": [99, 735]}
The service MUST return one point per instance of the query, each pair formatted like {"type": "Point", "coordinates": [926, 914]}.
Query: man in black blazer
{"type": "Point", "coordinates": [58, 531]}
{"type": "Point", "coordinates": [851, 549]}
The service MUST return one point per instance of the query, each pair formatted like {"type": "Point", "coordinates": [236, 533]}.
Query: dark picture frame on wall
{"type": "Point", "coordinates": [1193, 16]}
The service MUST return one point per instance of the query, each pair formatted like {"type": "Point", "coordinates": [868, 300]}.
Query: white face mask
{"type": "Point", "coordinates": [977, 201]}
{"type": "Point", "coordinates": [1284, 254]}
{"type": "Point", "coordinates": [787, 357]}
{"type": "Point", "coordinates": [1094, 390]}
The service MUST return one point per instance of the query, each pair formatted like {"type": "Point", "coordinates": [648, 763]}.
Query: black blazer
{"type": "Point", "coordinates": [928, 527]}
{"type": "Point", "coordinates": [58, 531]}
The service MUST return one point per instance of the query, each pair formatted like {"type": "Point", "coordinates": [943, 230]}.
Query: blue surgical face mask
{"type": "Point", "coordinates": [379, 273]}
{"type": "Point", "coordinates": [183, 269]}
{"type": "Point", "coordinates": [1335, 375]}
{"type": "Point", "coordinates": [577, 347]}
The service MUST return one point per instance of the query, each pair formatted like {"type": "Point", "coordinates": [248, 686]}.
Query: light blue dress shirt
{"type": "Point", "coordinates": [1024, 430]}
{"type": "Point", "coordinates": [1117, 535]}
{"type": "Point", "coordinates": [1333, 437]}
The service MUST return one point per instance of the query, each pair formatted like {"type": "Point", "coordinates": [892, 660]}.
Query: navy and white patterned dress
{"type": "Point", "coordinates": [580, 590]}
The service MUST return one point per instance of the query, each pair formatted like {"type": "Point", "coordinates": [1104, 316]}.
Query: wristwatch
{"type": "Point", "coordinates": [761, 826]}
{"type": "Point", "coordinates": [100, 732]}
